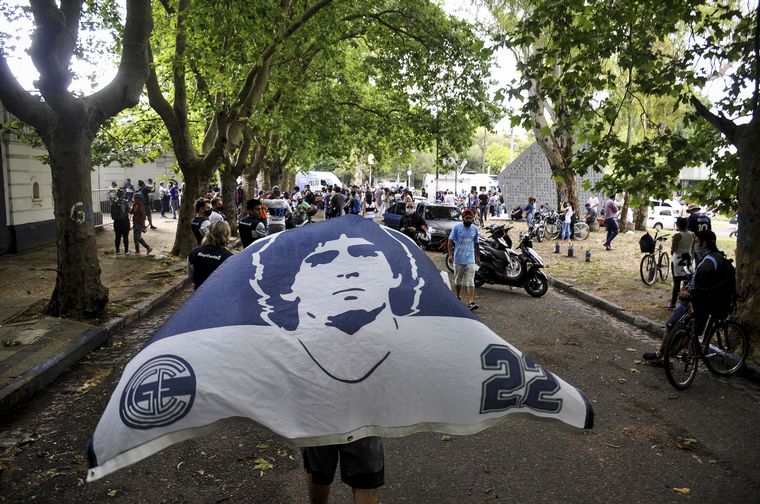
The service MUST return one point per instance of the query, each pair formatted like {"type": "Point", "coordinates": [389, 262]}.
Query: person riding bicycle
{"type": "Point", "coordinates": [412, 223]}
{"type": "Point", "coordinates": [698, 291]}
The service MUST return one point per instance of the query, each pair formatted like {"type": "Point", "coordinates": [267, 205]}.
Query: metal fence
{"type": "Point", "coordinates": [99, 211]}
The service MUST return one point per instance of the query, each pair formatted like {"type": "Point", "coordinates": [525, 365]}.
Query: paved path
{"type": "Point", "coordinates": [648, 438]}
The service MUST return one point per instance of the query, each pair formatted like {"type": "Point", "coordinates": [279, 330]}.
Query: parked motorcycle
{"type": "Point", "coordinates": [507, 267]}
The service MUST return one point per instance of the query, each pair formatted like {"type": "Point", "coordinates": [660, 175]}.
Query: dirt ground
{"type": "Point", "coordinates": [612, 275]}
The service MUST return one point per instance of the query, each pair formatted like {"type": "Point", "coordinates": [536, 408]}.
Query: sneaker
{"type": "Point", "coordinates": [117, 252]}
{"type": "Point", "coordinates": [650, 356]}
{"type": "Point", "coordinates": [607, 247]}
{"type": "Point", "coordinates": [153, 227]}
{"type": "Point", "coordinates": [658, 362]}
{"type": "Point", "coordinates": [473, 306]}
{"type": "Point", "coordinates": [126, 252]}
{"type": "Point", "coordinates": [147, 252]}
{"type": "Point", "coordinates": [137, 252]}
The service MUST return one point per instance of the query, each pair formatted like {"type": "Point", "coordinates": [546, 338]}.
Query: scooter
{"type": "Point", "coordinates": [506, 267]}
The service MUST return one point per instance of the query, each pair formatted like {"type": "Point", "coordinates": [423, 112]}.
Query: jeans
{"type": "Point", "coordinates": [121, 228]}
{"type": "Point", "coordinates": [612, 230]}
{"type": "Point", "coordinates": [139, 240]}
{"type": "Point", "coordinates": [175, 205]}
{"type": "Point", "coordinates": [566, 233]}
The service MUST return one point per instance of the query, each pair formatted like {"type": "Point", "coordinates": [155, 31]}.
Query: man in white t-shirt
{"type": "Point", "coordinates": [278, 209]}
{"type": "Point", "coordinates": [593, 201]}
{"type": "Point", "coordinates": [449, 199]}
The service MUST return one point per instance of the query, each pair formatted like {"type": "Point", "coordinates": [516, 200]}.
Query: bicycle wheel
{"type": "Point", "coordinates": [681, 358]}
{"type": "Point", "coordinates": [553, 230]}
{"type": "Point", "coordinates": [664, 265]}
{"type": "Point", "coordinates": [647, 269]}
{"type": "Point", "coordinates": [726, 347]}
{"type": "Point", "coordinates": [580, 231]}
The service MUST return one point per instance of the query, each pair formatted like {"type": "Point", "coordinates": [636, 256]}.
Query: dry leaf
{"type": "Point", "coordinates": [682, 491]}
{"type": "Point", "coordinates": [201, 472]}
{"type": "Point", "coordinates": [180, 465]}
{"type": "Point", "coordinates": [622, 380]}
{"type": "Point", "coordinates": [633, 370]}
{"type": "Point", "coordinates": [445, 437]}
{"type": "Point", "coordinates": [638, 361]}
{"type": "Point", "coordinates": [112, 493]}
{"type": "Point", "coordinates": [262, 464]}
{"type": "Point", "coordinates": [696, 458]}
{"type": "Point", "coordinates": [630, 349]}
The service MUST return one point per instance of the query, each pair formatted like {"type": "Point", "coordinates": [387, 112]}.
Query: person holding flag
{"type": "Point", "coordinates": [327, 334]}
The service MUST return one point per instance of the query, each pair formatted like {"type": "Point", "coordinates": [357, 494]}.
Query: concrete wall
{"type": "Point", "coordinates": [530, 175]}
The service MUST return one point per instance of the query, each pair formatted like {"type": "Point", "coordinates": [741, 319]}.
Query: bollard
{"type": "Point", "coordinates": [588, 255]}
{"type": "Point", "coordinates": [570, 251]}
{"type": "Point", "coordinates": [556, 248]}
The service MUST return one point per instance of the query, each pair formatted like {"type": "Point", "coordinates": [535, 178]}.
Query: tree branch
{"type": "Point", "coordinates": [53, 43]}
{"type": "Point", "coordinates": [27, 107]}
{"type": "Point", "coordinates": [721, 123]}
{"type": "Point", "coordinates": [244, 96]}
{"type": "Point", "coordinates": [126, 87]}
{"type": "Point", "coordinates": [178, 70]}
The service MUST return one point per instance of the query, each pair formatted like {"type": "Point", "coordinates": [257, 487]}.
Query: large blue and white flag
{"type": "Point", "coordinates": [324, 334]}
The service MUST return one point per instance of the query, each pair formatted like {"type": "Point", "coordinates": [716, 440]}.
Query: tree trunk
{"type": "Point", "coordinates": [196, 184]}
{"type": "Point", "coordinates": [78, 291]}
{"type": "Point", "coordinates": [624, 212]}
{"type": "Point", "coordinates": [748, 240]}
{"type": "Point", "coordinates": [640, 217]}
{"type": "Point", "coordinates": [250, 186]}
{"type": "Point", "coordinates": [228, 179]}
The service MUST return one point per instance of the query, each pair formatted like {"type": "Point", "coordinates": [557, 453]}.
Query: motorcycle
{"type": "Point", "coordinates": [504, 266]}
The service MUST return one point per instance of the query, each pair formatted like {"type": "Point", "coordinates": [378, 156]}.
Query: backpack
{"type": "Point", "coordinates": [356, 207]}
{"type": "Point", "coordinates": [724, 289]}
{"type": "Point", "coordinates": [118, 212]}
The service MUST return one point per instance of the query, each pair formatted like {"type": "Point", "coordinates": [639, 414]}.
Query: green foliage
{"type": "Point", "coordinates": [616, 77]}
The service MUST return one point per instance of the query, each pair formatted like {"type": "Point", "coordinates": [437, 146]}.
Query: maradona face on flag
{"type": "Point", "coordinates": [324, 334]}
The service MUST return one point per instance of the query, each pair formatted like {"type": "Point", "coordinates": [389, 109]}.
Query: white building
{"type": "Point", "coordinates": [26, 195]}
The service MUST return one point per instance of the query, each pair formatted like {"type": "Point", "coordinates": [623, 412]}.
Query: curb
{"type": "Point", "coordinates": [45, 373]}
{"type": "Point", "coordinates": [749, 371]}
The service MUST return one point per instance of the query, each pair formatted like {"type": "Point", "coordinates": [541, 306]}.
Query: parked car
{"type": "Point", "coordinates": [440, 218]}
{"type": "Point", "coordinates": [662, 217]}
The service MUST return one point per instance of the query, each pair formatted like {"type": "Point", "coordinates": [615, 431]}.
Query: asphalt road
{"type": "Point", "coordinates": [648, 438]}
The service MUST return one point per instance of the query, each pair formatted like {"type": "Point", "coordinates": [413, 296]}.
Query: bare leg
{"type": "Point", "coordinates": [471, 294]}
{"type": "Point", "coordinates": [458, 289]}
{"type": "Point", "coordinates": [318, 494]}
{"type": "Point", "coordinates": [366, 496]}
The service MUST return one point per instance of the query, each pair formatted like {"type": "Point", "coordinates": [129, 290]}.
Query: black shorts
{"type": "Point", "coordinates": [361, 463]}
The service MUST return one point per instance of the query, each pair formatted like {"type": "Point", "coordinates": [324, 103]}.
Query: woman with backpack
{"type": "Point", "coordinates": [120, 216]}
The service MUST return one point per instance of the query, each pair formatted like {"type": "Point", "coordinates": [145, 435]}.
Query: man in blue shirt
{"type": "Point", "coordinates": [463, 246]}
{"type": "Point", "coordinates": [530, 210]}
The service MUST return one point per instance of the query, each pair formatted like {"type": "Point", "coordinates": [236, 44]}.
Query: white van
{"type": "Point", "coordinates": [317, 180]}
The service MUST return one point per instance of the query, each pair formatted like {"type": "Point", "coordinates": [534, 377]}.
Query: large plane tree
{"type": "Point", "coordinates": [67, 123]}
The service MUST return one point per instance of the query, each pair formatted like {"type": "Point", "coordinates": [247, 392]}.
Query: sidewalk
{"type": "Point", "coordinates": [34, 348]}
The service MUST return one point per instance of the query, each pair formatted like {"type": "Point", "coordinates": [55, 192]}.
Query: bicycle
{"type": "Point", "coordinates": [580, 230]}
{"type": "Point", "coordinates": [650, 265]}
{"type": "Point", "coordinates": [723, 349]}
